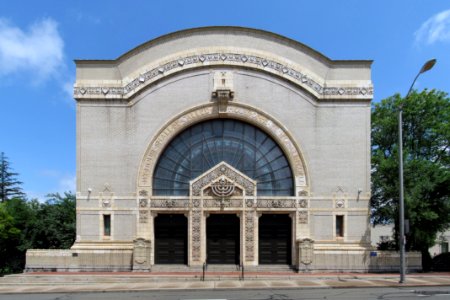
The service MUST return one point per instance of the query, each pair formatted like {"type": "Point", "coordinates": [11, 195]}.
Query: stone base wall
{"type": "Point", "coordinates": [55, 260]}
{"type": "Point", "coordinates": [389, 261]}
{"type": "Point", "coordinates": [122, 261]}
{"type": "Point", "coordinates": [360, 261]}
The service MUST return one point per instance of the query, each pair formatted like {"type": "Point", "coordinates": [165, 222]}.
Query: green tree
{"type": "Point", "coordinates": [426, 132]}
{"type": "Point", "coordinates": [54, 225]}
{"type": "Point", "coordinates": [49, 225]}
{"type": "Point", "coordinates": [23, 213]}
{"type": "Point", "coordinates": [9, 235]}
{"type": "Point", "coordinates": [9, 185]}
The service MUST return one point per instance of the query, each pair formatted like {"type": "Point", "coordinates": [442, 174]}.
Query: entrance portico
{"type": "Point", "coordinates": [223, 212]}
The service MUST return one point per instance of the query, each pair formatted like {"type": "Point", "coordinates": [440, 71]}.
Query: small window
{"type": "Point", "coordinates": [339, 226]}
{"type": "Point", "coordinates": [444, 247]}
{"type": "Point", "coordinates": [107, 225]}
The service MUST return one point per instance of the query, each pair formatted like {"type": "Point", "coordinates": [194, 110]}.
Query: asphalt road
{"type": "Point", "coordinates": [387, 293]}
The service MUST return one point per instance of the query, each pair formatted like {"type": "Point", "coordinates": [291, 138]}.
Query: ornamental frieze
{"type": "Point", "coordinates": [267, 64]}
{"type": "Point", "coordinates": [169, 203]}
{"type": "Point", "coordinates": [219, 203]}
{"type": "Point", "coordinates": [276, 203]}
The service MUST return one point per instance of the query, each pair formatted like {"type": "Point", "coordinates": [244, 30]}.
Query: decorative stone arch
{"type": "Point", "coordinates": [234, 110]}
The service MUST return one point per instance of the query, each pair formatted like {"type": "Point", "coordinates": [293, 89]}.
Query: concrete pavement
{"type": "Point", "coordinates": [102, 282]}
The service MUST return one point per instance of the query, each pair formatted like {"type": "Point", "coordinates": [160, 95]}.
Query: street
{"type": "Point", "coordinates": [385, 293]}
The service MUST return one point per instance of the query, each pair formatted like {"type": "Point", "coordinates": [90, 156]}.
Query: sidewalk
{"type": "Point", "coordinates": [100, 282]}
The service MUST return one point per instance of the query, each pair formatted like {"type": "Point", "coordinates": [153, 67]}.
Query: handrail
{"type": "Point", "coordinates": [205, 266]}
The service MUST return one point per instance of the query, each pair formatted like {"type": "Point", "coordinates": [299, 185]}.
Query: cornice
{"type": "Point", "coordinates": [127, 88]}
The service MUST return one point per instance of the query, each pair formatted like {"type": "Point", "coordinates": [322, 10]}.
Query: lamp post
{"type": "Point", "coordinates": [426, 67]}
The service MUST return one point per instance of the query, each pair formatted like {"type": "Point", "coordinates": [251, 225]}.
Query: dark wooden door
{"type": "Point", "coordinates": [170, 239]}
{"type": "Point", "coordinates": [223, 239]}
{"type": "Point", "coordinates": [275, 239]}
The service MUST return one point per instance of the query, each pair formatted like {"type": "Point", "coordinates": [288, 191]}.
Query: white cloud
{"type": "Point", "coordinates": [35, 195]}
{"type": "Point", "coordinates": [58, 181]}
{"type": "Point", "coordinates": [67, 88]}
{"type": "Point", "coordinates": [67, 183]}
{"type": "Point", "coordinates": [38, 51]}
{"type": "Point", "coordinates": [435, 29]}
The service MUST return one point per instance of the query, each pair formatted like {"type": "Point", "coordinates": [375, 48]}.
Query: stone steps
{"type": "Point", "coordinates": [159, 273]}
{"type": "Point", "coordinates": [223, 268]}
{"type": "Point", "coordinates": [170, 273]}
{"type": "Point", "coordinates": [96, 279]}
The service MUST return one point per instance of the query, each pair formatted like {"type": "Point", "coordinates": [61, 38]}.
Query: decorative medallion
{"type": "Point", "coordinates": [143, 193]}
{"type": "Point", "coordinates": [143, 202]}
{"type": "Point", "coordinates": [303, 193]}
{"type": "Point", "coordinates": [303, 203]}
{"type": "Point", "coordinates": [249, 202]}
{"type": "Point", "coordinates": [340, 203]}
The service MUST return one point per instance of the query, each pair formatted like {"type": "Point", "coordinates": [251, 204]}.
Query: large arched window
{"type": "Point", "coordinates": [241, 145]}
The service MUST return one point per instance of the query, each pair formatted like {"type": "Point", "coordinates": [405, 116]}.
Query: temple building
{"type": "Point", "coordinates": [220, 145]}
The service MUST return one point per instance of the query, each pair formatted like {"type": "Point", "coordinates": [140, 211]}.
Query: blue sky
{"type": "Point", "coordinates": [40, 39]}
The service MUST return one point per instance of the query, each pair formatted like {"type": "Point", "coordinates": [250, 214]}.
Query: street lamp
{"type": "Point", "coordinates": [426, 67]}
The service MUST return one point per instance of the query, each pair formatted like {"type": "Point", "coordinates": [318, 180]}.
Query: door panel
{"type": "Point", "coordinates": [170, 239]}
{"type": "Point", "coordinates": [223, 239]}
{"type": "Point", "coordinates": [275, 239]}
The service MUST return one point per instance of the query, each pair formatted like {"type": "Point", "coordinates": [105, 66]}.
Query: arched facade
{"type": "Point", "coordinates": [237, 111]}
{"type": "Point", "coordinates": [290, 186]}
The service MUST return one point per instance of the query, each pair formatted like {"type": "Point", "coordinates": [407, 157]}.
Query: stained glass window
{"type": "Point", "coordinates": [241, 145]}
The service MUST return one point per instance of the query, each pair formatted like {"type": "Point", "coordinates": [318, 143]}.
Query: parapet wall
{"type": "Point", "coordinates": [56, 260]}
{"type": "Point", "coordinates": [122, 261]}
{"type": "Point", "coordinates": [361, 261]}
